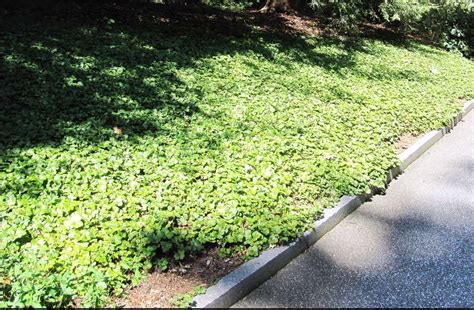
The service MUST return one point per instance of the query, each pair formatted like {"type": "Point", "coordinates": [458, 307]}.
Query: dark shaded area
{"type": "Point", "coordinates": [134, 51]}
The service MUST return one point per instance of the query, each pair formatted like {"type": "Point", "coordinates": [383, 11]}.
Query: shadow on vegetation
{"type": "Point", "coordinates": [111, 70]}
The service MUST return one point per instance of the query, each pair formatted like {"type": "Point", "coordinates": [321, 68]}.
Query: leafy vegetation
{"type": "Point", "coordinates": [184, 300]}
{"type": "Point", "coordinates": [129, 140]}
{"type": "Point", "coordinates": [346, 14]}
{"type": "Point", "coordinates": [449, 22]}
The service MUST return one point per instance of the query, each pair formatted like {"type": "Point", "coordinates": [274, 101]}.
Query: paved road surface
{"type": "Point", "coordinates": [413, 247]}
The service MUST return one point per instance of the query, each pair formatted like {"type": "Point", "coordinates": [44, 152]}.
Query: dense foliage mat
{"type": "Point", "coordinates": [124, 144]}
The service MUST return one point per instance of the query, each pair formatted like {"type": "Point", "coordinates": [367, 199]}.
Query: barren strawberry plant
{"type": "Point", "coordinates": [131, 139]}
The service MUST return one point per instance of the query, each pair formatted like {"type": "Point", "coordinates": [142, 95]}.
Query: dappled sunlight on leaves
{"type": "Point", "coordinates": [127, 144]}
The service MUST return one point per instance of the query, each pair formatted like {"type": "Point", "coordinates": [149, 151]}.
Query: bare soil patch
{"type": "Point", "coordinates": [159, 288]}
{"type": "Point", "coordinates": [405, 141]}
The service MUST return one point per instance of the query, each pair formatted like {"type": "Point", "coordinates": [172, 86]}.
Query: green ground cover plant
{"type": "Point", "coordinates": [184, 300]}
{"type": "Point", "coordinates": [125, 144]}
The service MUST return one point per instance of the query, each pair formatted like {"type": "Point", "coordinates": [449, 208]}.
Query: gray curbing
{"type": "Point", "coordinates": [468, 106]}
{"type": "Point", "coordinates": [331, 218]}
{"type": "Point", "coordinates": [250, 275]}
{"type": "Point", "coordinates": [419, 147]}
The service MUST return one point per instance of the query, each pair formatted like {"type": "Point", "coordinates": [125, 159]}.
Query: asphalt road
{"type": "Point", "coordinates": [412, 247]}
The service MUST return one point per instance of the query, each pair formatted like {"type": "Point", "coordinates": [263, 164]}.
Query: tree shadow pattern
{"type": "Point", "coordinates": [88, 71]}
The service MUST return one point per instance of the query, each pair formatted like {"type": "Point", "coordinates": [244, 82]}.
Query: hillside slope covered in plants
{"type": "Point", "coordinates": [129, 140]}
